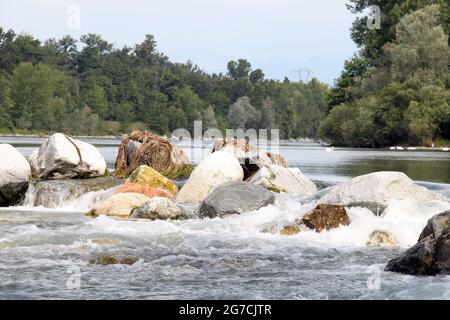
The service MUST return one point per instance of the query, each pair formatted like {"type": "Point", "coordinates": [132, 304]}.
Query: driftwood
{"type": "Point", "coordinates": [146, 148]}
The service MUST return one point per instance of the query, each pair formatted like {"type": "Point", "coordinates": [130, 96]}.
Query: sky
{"type": "Point", "coordinates": [278, 36]}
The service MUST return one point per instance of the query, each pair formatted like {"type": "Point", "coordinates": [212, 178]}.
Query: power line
{"type": "Point", "coordinates": [299, 72]}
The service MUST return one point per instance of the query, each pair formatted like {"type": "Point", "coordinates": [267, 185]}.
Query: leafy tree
{"type": "Point", "coordinates": [243, 115]}
{"type": "Point", "coordinates": [405, 99]}
{"type": "Point", "coordinates": [96, 101]}
{"type": "Point", "coordinates": [421, 47]}
{"type": "Point", "coordinates": [239, 70]}
{"type": "Point", "coordinates": [209, 118]}
{"type": "Point", "coordinates": [267, 115]}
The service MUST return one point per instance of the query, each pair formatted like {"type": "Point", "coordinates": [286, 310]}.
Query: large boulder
{"type": "Point", "coordinates": [235, 198]}
{"type": "Point", "coordinates": [326, 217]}
{"type": "Point", "coordinates": [280, 179]}
{"type": "Point", "coordinates": [150, 178]}
{"type": "Point", "coordinates": [376, 191]}
{"type": "Point", "coordinates": [15, 175]}
{"type": "Point", "coordinates": [158, 208]}
{"type": "Point", "coordinates": [431, 255]}
{"type": "Point", "coordinates": [146, 148]}
{"type": "Point", "coordinates": [58, 193]}
{"type": "Point", "coordinates": [216, 169]}
{"type": "Point", "coordinates": [118, 205]}
{"type": "Point", "coordinates": [62, 157]}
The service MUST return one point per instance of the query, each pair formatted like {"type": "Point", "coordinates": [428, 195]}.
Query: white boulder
{"type": "Point", "coordinates": [377, 190]}
{"type": "Point", "coordinates": [15, 174]}
{"type": "Point", "coordinates": [61, 157]}
{"type": "Point", "coordinates": [280, 179]}
{"type": "Point", "coordinates": [218, 168]}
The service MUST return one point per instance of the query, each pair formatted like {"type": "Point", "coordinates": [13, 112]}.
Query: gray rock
{"type": "Point", "coordinates": [376, 191]}
{"type": "Point", "coordinates": [431, 255]}
{"type": "Point", "coordinates": [57, 193]}
{"type": "Point", "coordinates": [280, 179]}
{"type": "Point", "coordinates": [437, 226]}
{"type": "Point", "coordinates": [235, 198]}
{"type": "Point", "coordinates": [159, 208]}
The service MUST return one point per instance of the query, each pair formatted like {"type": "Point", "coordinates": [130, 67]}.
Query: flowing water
{"type": "Point", "coordinates": [47, 244]}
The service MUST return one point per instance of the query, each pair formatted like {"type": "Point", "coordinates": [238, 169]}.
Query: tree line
{"type": "Point", "coordinates": [88, 86]}
{"type": "Point", "coordinates": [396, 88]}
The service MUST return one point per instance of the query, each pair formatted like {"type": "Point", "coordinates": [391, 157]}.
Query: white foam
{"type": "Point", "coordinates": [404, 219]}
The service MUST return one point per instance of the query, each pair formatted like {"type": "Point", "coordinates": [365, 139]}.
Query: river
{"type": "Point", "coordinates": [43, 250]}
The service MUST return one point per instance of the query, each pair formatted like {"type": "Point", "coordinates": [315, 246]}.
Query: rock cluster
{"type": "Point", "coordinates": [431, 255]}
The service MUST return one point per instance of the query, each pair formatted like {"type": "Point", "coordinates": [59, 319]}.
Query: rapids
{"type": "Point", "coordinates": [46, 246]}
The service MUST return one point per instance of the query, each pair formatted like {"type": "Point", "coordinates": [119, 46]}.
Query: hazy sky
{"type": "Point", "coordinates": [278, 36]}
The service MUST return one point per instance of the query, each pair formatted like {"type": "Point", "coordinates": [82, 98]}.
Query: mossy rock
{"type": "Point", "coordinates": [150, 178]}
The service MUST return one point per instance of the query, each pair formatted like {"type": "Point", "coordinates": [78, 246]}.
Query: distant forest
{"type": "Point", "coordinates": [394, 90]}
{"type": "Point", "coordinates": [87, 86]}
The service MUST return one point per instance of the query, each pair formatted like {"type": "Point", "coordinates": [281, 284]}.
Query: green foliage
{"type": "Point", "coordinates": [404, 99]}
{"type": "Point", "coordinates": [243, 115]}
{"type": "Point", "coordinates": [96, 101]}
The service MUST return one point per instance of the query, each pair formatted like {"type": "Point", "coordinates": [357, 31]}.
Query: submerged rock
{"type": "Point", "coordinates": [280, 179]}
{"type": "Point", "coordinates": [159, 208]}
{"type": "Point", "coordinates": [115, 258]}
{"type": "Point", "coordinates": [235, 198]}
{"type": "Point", "coordinates": [15, 174]}
{"type": "Point", "coordinates": [381, 238]}
{"type": "Point", "coordinates": [118, 205]}
{"type": "Point", "coordinates": [57, 193]}
{"type": "Point", "coordinates": [289, 230]}
{"type": "Point", "coordinates": [62, 157]}
{"type": "Point", "coordinates": [150, 178]}
{"type": "Point", "coordinates": [216, 169]}
{"type": "Point", "coordinates": [146, 148]}
{"type": "Point", "coordinates": [326, 217]}
{"type": "Point", "coordinates": [376, 191]}
{"type": "Point", "coordinates": [431, 255]}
